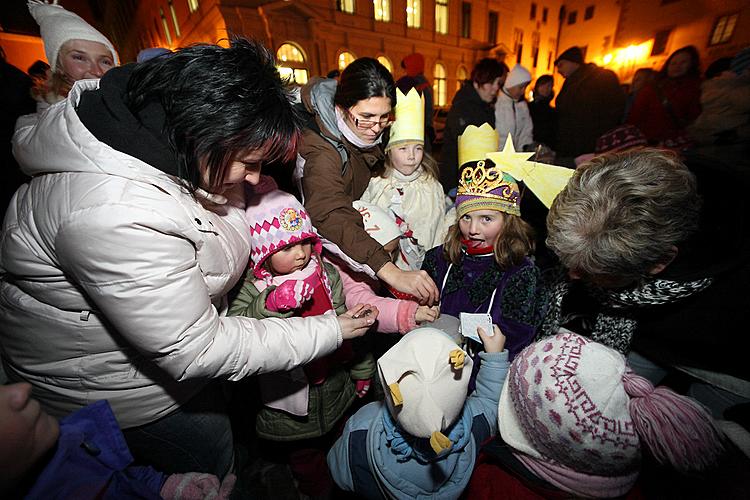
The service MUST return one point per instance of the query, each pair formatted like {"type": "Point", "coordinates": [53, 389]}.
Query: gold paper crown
{"type": "Point", "coordinates": [545, 181]}
{"type": "Point", "coordinates": [476, 142]}
{"type": "Point", "coordinates": [486, 186]}
{"type": "Point", "coordinates": [409, 124]}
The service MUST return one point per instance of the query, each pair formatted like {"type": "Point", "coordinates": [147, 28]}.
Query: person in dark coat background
{"type": "Point", "coordinates": [472, 105]}
{"type": "Point", "coordinates": [543, 114]}
{"type": "Point", "coordinates": [590, 103]}
{"type": "Point", "coordinates": [414, 78]}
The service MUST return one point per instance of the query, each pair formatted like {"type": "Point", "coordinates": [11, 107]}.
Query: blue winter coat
{"type": "Point", "coordinates": [376, 459]}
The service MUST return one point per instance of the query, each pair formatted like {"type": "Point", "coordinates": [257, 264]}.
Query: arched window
{"type": "Point", "coordinates": [291, 63]}
{"type": "Point", "coordinates": [461, 75]}
{"type": "Point", "coordinates": [439, 85]}
{"type": "Point", "coordinates": [345, 59]}
{"type": "Point", "coordinates": [386, 62]}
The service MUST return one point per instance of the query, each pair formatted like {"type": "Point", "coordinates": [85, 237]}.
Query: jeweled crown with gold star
{"type": "Point", "coordinates": [483, 186]}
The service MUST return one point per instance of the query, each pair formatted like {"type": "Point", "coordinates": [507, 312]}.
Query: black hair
{"type": "Point", "coordinates": [39, 68]}
{"type": "Point", "coordinates": [218, 103]}
{"type": "Point", "coordinates": [543, 80]}
{"type": "Point", "coordinates": [334, 73]}
{"type": "Point", "coordinates": [362, 79]}
{"type": "Point", "coordinates": [695, 61]}
{"type": "Point", "coordinates": [487, 69]}
{"type": "Point", "coordinates": [718, 67]}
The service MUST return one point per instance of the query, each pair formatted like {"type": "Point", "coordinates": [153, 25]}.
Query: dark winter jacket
{"type": "Point", "coordinates": [467, 109]}
{"type": "Point", "coordinates": [590, 103]}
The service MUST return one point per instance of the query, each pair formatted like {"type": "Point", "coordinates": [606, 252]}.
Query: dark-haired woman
{"type": "Point", "coordinates": [118, 254]}
{"type": "Point", "coordinates": [472, 105]}
{"type": "Point", "coordinates": [341, 147]}
{"type": "Point", "coordinates": [665, 107]}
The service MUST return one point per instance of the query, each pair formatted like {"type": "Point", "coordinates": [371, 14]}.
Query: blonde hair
{"type": "Point", "coordinates": [515, 241]}
{"type": "Point", "coordinates": [429, 165]}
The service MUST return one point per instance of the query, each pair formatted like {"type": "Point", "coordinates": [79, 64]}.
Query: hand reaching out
{"type": "Point", "coordinates": [494, 342]}
{"type": "Point", "coordinates": [426, 314]}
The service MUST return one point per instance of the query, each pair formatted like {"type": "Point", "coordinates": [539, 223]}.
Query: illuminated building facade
{"type": "Point", "coordinates": [316, 36]}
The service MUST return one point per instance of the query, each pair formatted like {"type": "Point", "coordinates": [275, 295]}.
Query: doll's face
{"type": "Point", "coordinates": [291, 258]}
{"type": "Point", "coordinates": [26, 431]}
{"type": "Point", "coordinates": [406, 158]}
{"type": "Point", "coordinates": [482, 227]}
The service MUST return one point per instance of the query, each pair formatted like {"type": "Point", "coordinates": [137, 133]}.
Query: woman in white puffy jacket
{"type": "Point", "coordinates": [118, 254]}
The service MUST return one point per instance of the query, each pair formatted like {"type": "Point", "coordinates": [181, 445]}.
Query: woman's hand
{"type": "Point", "coordinates": [492, 343]}
{"type": "Point", "coordinates": [426, 314]}
{"type": "Point", "coordinates": [417, 283]}
{"type": "Point", "coordinates": [357, 320]}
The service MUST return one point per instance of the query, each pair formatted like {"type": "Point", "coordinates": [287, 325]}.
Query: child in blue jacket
{"type": "Point", "coordinates": [423, 441]}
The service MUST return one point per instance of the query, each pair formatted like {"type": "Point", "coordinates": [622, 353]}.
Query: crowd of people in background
{"type": "Point", "coordinates": [549, 303]}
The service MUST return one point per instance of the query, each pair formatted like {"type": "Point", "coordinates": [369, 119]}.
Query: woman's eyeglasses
{"type": "Point", "coordinates": [368, 124]}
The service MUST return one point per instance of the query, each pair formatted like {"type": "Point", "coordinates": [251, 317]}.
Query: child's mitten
{"type": "Point", "coordinates": [289, 295]}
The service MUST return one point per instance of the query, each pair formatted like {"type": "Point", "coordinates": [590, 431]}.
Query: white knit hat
{"type": "Point", "coordinates": [517, 76]}
{"type": "Point", "coordinates": [426, 376]}
{"type": "Point", "coordinates": [378, 223]}
{"type": "Point", "coordinates": [58, 25]}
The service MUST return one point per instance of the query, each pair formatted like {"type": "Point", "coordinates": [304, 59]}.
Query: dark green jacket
{"type": "Point", "coordinates": [327, 401]}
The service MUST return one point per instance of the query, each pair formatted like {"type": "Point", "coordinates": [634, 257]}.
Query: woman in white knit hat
{"type": "Point", "coordinates": [75, 51]}
{"type": "Point", "coordinates": [511, 110]}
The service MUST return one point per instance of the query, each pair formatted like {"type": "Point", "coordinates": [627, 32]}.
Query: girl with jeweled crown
{"type": "Point", "coordinates": [484, 264]}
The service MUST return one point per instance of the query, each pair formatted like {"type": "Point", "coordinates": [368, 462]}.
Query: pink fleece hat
{"type": "Point", "coordinates": [276, 220]}
{"type": "Point", "coordinates": [575, 403]}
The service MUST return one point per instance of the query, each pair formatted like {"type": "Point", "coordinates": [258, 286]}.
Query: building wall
{"type": "Point", "coordinates": [322, 33]}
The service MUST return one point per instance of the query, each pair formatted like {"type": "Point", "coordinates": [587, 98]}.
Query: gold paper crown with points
{"type": "Point", "coordinates": [409, 124]}
{"type": "Point", "coordinates": [484, 186]}
{"type": "Point", "coordinates": [476, 142]}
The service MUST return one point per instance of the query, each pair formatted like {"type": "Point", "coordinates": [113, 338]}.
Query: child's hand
{"type": "Point", "coordinates": [357, 320]}
{"type": "Point", "coordinates": [493, 343]}
{"type": "Point", "coordinates": [289, 295]}
{"type": "Point", "coordinates": [426, 314]}
{"type": "Point", "coordinates": [362, 387]}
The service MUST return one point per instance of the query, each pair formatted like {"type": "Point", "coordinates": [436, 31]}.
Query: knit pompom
{"type": "Point", "coordinates": [676, 430]}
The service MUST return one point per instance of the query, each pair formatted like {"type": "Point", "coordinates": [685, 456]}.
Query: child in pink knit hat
{"type": "Point", "coordinates": [287, 277]}
{"type": "Point", "coordinates": [574, 418]}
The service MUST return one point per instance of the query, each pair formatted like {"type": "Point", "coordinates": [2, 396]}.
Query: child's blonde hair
{"type": "Point", "coordinates": [515, 241]}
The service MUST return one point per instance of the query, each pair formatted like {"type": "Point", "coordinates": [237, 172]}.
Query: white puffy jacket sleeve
{"type": "Point", "coordinates": [144, 277]}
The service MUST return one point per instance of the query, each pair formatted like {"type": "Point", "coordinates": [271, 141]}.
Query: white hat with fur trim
{"type": "Point", "coordinates": [426, 376]}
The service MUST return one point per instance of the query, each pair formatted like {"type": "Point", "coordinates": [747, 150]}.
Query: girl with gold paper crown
{"type": "Point", "coordinates": [408, 187]}
{"type": "Point", "coordinates": [484, 264]}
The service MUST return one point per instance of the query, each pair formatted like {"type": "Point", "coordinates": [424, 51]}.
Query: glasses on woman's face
{"type": "Point", "coordinates": [364, 124]}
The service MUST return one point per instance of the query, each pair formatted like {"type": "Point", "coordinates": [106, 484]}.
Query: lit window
{"type": "Point", "coordinates": [465, 20]}
{"type": "Point", "coordinates": [414, 13]}
{"type": "Point", "coordinates": [291, 62]}
{"type": "Point", "coordinates": [174, 19]}
{"type": "Point", "coordinates": [345, 6]}
{"type": "Point", "coordinates": [192, 5]}
{"type": "Point", "coordinates": [345, 59]}
{"type": "Point", "coordinates": [439, 88]}
{"type": "Point", "coordinates": [588, 13]}
{"type": "Point", "coordinates": [461, 76]}
{"type": "Point", "coordinates": [441, 16]}
{"type": "Point", "coordinates": [382, 10]}
{"type": "Point", "coordinates": [723, 29]}
{"type": "Point", "coordinates": [166, 27]}
{"type": "Point", "coordinates": [386, 62]}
